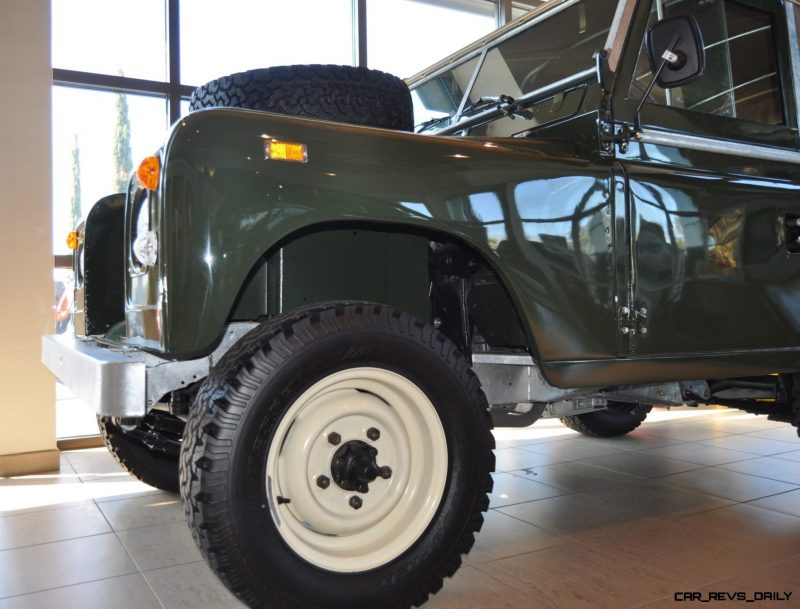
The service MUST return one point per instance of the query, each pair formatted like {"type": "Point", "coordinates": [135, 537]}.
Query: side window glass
{"type": "Point", "coordinates": [561, 105]}
{"type": "Point", "coordinates": [553, 49]}
{"type": "Point", "coordinates": [440, 97]}
{"type": "Point", "coordinates": [741, 75]}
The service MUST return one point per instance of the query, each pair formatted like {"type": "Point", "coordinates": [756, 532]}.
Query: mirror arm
{"type": "Point", "coordinates": [667, 57]}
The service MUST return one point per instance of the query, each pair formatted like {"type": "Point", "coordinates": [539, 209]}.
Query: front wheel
{"type": "Point", "coordinates": [338, 456]}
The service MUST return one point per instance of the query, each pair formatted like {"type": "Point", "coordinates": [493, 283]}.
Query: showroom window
{"type": "Point", "coordinates": [243, 35]}
{"type": "Point", "coordinates": [123, 71]}
{"type": "Point", "coordinates": [154, 52]}
{"type": "Point", "coordinates": [406, 36]}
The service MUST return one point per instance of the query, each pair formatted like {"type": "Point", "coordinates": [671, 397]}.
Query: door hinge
{"type": "Point", "coordinates": [633, 320]}
{"type": "Point", "coordinates": [611, 136]}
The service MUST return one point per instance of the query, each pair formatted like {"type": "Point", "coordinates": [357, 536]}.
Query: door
{"type": "Point", "coordinates": [713, 188]}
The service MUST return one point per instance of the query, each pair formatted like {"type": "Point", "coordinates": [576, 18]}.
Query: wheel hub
{"type": "Point", "coordinates": [354, 466]}
{"type": "Point", "coordinates": [328, 441]}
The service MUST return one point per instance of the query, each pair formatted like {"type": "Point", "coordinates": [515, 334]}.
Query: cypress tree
{"type": "Point", "coordinates": [75, 199]}
{"type": "Point", "coordinates": [123, 160]}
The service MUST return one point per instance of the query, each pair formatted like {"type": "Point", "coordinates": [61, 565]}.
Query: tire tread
{"type": "Point", "coordinates": [219, 406]}
{"type": "Point", "coordinates": [347, 94]}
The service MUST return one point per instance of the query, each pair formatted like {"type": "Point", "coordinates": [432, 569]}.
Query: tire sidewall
{"type": "Point", "coordinates": [260, 541]}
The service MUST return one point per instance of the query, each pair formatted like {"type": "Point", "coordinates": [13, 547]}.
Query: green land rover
{"type": "Point", "coordinates": [319, 294]}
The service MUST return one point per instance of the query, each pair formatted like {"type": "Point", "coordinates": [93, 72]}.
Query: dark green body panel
{"type": "Point", "coordinates": [710, 251]}
{"type": "Point", "coordinates": [572, 229]}
{"type": "Point", "coordinates": [539, 215]}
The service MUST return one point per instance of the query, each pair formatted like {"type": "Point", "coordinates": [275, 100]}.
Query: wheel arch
{"type": "Point", "coordinates": [456, 256]}
{"type": "Point", "coordinates": [222, 214]}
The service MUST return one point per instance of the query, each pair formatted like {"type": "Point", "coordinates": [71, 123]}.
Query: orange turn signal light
{"type": "Point", "coordinates": [285, 151]}
{"type": "Point", "coordinates": [72, 240]}
{"type": "Point", "coordinates": [148, 171]}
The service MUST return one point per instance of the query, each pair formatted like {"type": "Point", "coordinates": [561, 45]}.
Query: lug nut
{"type": "Point", "coordinates": [323, 482]}
{"type": "Point", "coordinates": [334, 438]}
{"type": "Point", "coordinates": [386, 472]}
{"type": "Point", "coordinates": [355, 502]}
{"type": "Point", "coordinates": [373, 433]}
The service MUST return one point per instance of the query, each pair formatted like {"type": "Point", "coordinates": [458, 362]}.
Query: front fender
{"type": "Point", "coordinates": [225, 206]}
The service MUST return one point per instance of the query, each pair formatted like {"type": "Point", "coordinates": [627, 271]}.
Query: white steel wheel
{"type": "Point", "coordinates": [338, 457]}
{"type": "Point", "coordinates": [356, 469]}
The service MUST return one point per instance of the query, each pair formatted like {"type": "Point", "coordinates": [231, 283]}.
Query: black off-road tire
{"type": "Point", "coordinates": [620, 418]}
{"type": "Point", "coordinates": [155, 468]}
{"type": "Point", "coordinates": [245, 403]}
{"type": "Point", "coordinates": [346, 94]}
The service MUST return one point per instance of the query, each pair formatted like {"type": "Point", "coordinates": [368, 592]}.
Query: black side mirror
{"type": "Point", "coordinates": [677, 44]}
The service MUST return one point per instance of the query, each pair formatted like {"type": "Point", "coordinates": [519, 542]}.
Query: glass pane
{"type": "Point", "coordinates": [440, 97]}
{"type": "Point", "coordinates": [87, 128]}
{"type": "Point", "coordinates": [740, 78]}
{"type": "Point", "coordinates": [518, 12]}
{"type": "Point", "coordinates": [541, 113]}
{"type": "Point", "coordinates": [240, 35]}
{"type": "Point", "coordinates": [73, 418]}
{"type": "Point", "coordinates": [111, 37]}
{"type": "Point", "coordinates": [63, 305]}
{"type": "Point", "coordinates": [523, 8]}
{"type": "Point", "coordinates": [404, 36]}
{"type": "Point", "coordinates": [560, 46]}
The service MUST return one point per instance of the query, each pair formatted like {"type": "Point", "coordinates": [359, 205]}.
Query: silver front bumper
{"type": "Point", "coordinates": [121, 381]}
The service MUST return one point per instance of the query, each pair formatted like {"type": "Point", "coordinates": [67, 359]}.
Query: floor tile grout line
{"type": "Point", "coordinates": [73, 585]}
{"type": "Point", "coordinates": [794, 490]}
{"type": "Point", "coordinates": [706, 443]}
{"type": "Point", "coordinates": [736, 471]}
{"type": "Point", "coordinates": [183, 564]}
{"type": "Point", "coordinates": [132, 559]}
{"type": "Point", "coordinates": [558, 488]}
{"type": "Point", "coordinates": [792, 442]}
{"type": "Point", "coordinates": [730, 503]}
{"type": "Point", "coordinates": [138, 495]}
{"type": "Point", "coordinates": [568, 541]}
{"type": "Point", "coordinates": [636, 478]}
{"type": "Point", "coordinates": [544, 528]}
{"type": "Point", "coordinates": [47, 543]}
{"type": "Point", "coordinates": [146, 526]}
{"type": "Point", "coordinates": [675, 486]}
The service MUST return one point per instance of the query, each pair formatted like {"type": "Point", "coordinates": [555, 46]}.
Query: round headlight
{"type": "Point", "coordinates": [145, 248]}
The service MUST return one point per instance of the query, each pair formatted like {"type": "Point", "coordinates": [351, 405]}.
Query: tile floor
{"type": "Point", "coordinates": [695, 500]}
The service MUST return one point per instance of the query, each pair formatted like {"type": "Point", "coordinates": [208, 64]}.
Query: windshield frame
{"type": "Point", "coordinates": [480, 49]}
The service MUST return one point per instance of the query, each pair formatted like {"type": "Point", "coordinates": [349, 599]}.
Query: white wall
{"type": "Point", "coordinates": [27, 401]}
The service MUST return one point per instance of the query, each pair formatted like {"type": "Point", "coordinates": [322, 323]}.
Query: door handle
{"type": "Point", "coordinates": [791, 225]}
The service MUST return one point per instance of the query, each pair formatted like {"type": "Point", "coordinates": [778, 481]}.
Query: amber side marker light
{"type": "Point", "coordinates": [72, 240]}
{"type": "Point", "coordinates": [285, 151]}
{"type": "Point", "coordinates": [148, 171]}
